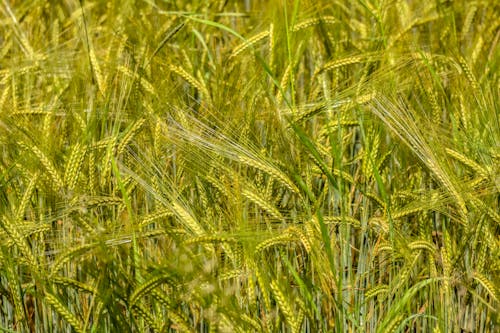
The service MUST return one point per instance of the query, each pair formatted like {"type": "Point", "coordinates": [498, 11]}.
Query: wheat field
{"type": "Point", "coordinates": [249, 166]}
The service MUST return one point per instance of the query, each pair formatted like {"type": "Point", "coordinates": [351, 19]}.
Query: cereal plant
{"type": "Point", "coordinates": [249, 166]}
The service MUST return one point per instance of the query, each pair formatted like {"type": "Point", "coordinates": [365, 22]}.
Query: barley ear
{"type": "Point", "coordinates": [147, 286]}
{"type": "Point", "coordinates": [283, 304]}
{"type": "Point", "coordinates": [47, 164]}
{"type": "Point", "coordinates": [127, 138]}
{"type": "Point", "coordinates": [73, 165]}
{"type": "Point", "coordinates": [249, 43]}
{"type": "Point", "coordinates": [257, 198]}
{"type": "Point", "coordinates": [13, 231]}
{"type": "Point", "coordinates": [141, 311]}
{"type": "Point", "coordinates": [63, 311]}
{"type": "Point", "coordinates": [71, 283]}
{"type": "Point", "coordinates": [21, 209]}
{"type": "Point", "coordinates": [190, 79]}
{"type": "Point", "coordinates": [101, 82]}
{"type": "Point", "coordinates": [488, 286]}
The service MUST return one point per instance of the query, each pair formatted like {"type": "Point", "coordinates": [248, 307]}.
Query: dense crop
{"type": "Point", "coordinates": [249, 166]}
